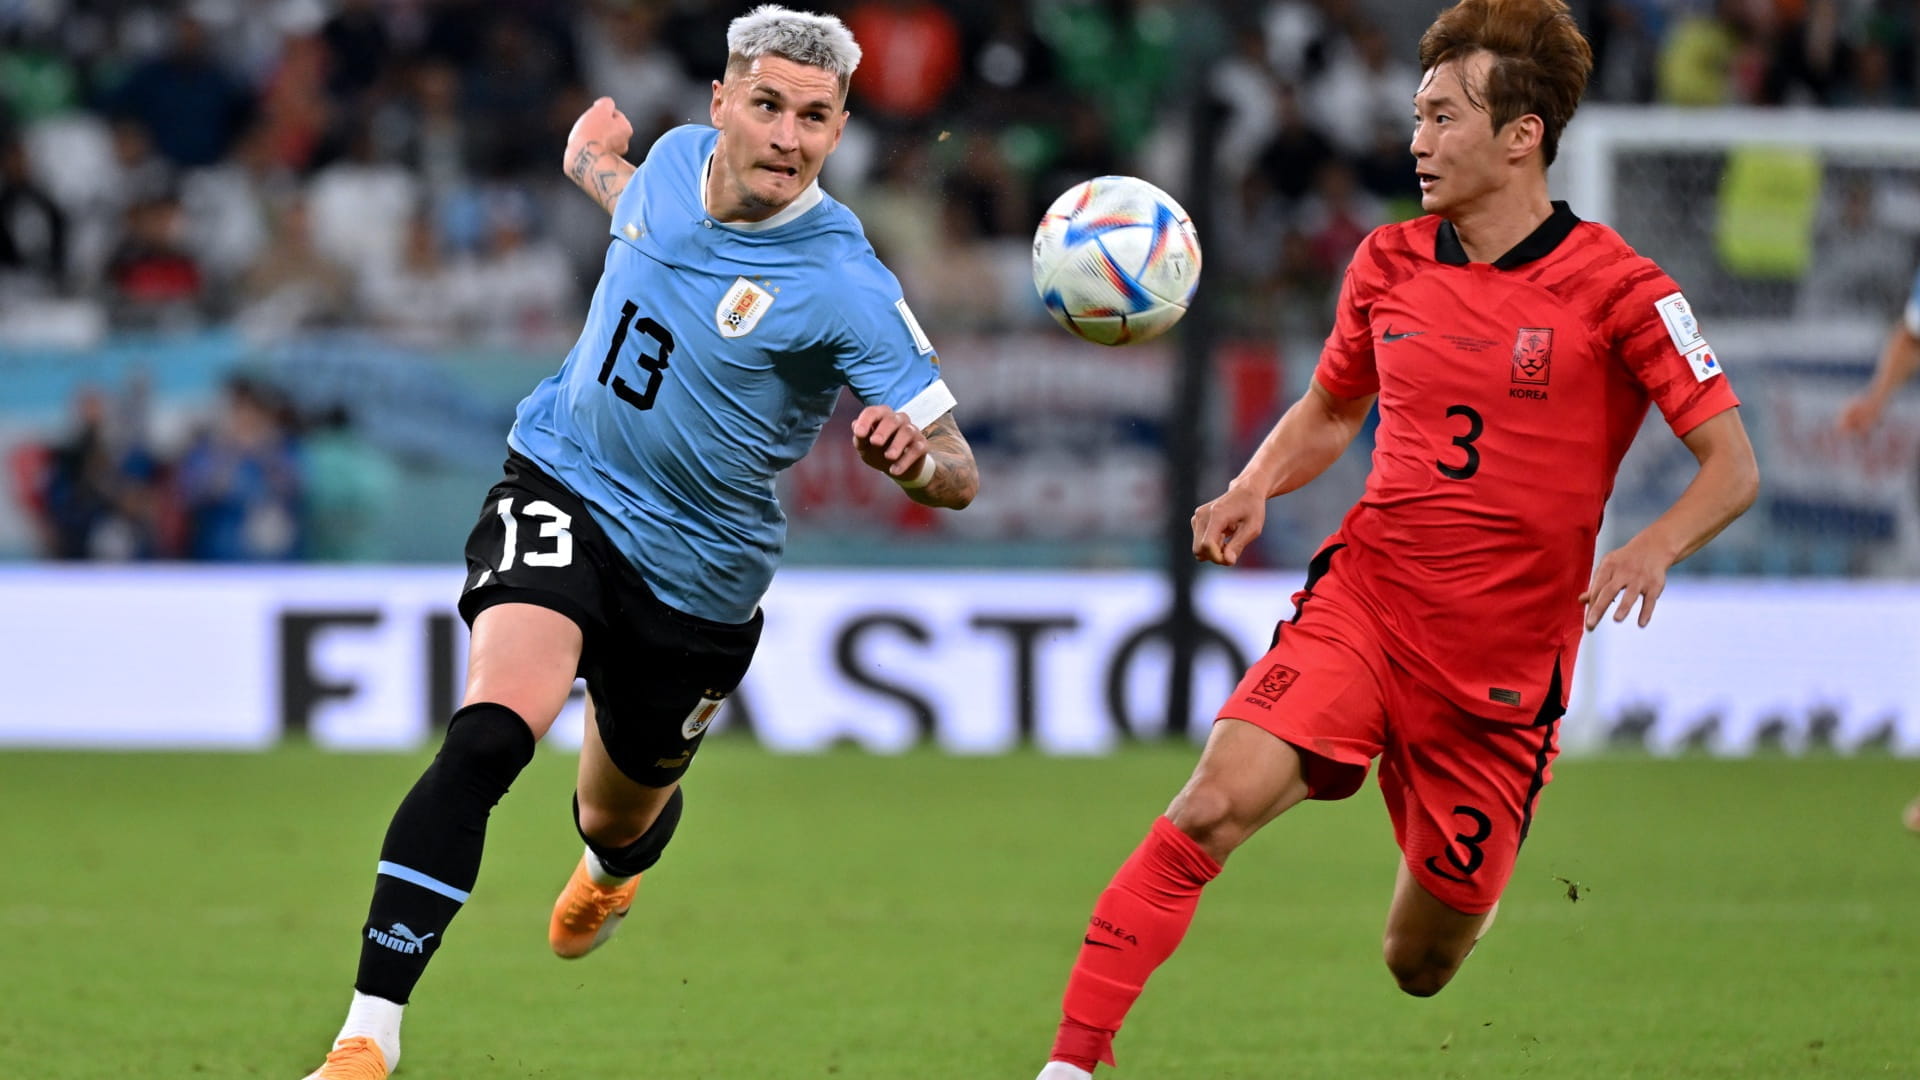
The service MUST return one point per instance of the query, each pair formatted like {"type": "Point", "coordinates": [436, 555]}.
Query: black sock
{"type": "Point", "coordinates": [432, 852]}
{"type": "Point", "coordinates": [639, 856]}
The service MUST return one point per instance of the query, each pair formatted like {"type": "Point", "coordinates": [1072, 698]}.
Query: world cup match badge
{"type": "Point", "coordinates": [1533, 355]}
{"type": "Point", "coordinates": [741, 308]}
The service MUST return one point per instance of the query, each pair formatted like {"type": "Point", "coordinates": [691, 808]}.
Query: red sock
{"type": "Point", "coordinates": [1136, 924]}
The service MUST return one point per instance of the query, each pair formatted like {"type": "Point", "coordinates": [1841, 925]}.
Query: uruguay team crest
{"type": "Point", "coordinates": [702, 715]}
{"type": "Point", "coordinates": [740, 310]}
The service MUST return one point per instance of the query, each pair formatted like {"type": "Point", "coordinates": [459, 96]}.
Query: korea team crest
{"type": "Point", "coordinates": [1533, 355]}
{"type": "Point", "coordinates": [740, 310]}
{"type": "Point", "coordinates": [1277, 681]}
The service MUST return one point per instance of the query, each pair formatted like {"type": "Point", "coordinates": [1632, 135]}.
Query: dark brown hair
{"type": "Point", "coordinates": [1540, 59]}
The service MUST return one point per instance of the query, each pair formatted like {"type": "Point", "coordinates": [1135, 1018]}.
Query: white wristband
{"type": "Point", "coordinates": [922, 476]}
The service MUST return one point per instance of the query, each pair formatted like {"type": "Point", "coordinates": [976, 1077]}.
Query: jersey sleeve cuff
{"type": "Point", "coordinates": [1702, 411]}
{"type": "Point", "coordinates": [930, 404]}
{"type": "Point", "coordinates": [1912, 317]}
{"type": "Point", "coordinates": [1340, 387]}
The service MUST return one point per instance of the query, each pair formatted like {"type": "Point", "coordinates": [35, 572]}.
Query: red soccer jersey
{"type": "Point", "coordinates": [1508, 394]}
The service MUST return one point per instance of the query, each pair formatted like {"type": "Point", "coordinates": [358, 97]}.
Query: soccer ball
{"type": "Point", "coordinates": [1115, 260]}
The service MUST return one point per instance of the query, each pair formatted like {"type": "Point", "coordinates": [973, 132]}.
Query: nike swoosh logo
{"type": "Point", "coordinates": [1102, 944]}
{"type": "Point", "coordinates": [1390, 336]}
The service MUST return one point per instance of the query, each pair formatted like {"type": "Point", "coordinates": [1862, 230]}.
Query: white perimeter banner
{"type": "Point", "coordinates": [972, 662]}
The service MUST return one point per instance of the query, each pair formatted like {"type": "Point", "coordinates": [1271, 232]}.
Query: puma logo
{"type": "Point", "coordinates": [400, 939]}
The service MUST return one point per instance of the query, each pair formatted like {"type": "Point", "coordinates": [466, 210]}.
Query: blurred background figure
{"type": "Point", "coordinates": [351, 490]}
{"type": "Point", "coordinates": [157, 283]}
{"type": "Point", "coordinates": [912, 59]}
{"type": "Point", "coordinates": [360, 204]}
{"type": "Point", "coordinates": [186, 99]}
{"type": "Point", "coordinates": [103, 488]}
{"type": "Point", "coordinates": [415, 300]}
{"type": "Point", "coordinates": [1899, 359]}
{"type": "Point", "coordinates": [33, 228]}
{"type": "Point", "coordinates": [292, 285]}
{"type": "Point", "coordinates": [240, 481]}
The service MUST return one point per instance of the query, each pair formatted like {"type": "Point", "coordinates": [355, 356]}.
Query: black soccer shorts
{"type": "Point", "coordinates": [656, 675]}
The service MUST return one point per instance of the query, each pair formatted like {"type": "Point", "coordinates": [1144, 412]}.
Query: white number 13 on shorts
{"type": "Point", "coordinates": [554, 524]}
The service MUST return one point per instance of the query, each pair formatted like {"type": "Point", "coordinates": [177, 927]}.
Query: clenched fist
{"type": "Point", "coordinates": [601, 123]}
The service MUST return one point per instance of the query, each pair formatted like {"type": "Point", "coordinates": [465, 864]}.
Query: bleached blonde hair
{"type": "Point", "coordinates": [803, 37]}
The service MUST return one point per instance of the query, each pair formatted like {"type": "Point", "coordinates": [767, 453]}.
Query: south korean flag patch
{"type": "Point", "coordinates": [1704, 363]}
{"type": "Point", "coordinates": [1684, 330]}
{"type": "Point", "coordinates": [740, 309]}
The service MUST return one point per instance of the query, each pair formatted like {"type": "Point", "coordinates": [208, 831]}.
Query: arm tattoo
{"type": "Point", "coordinates": [583, 161]}
{"type": "Point", "coordinates": [603, 182]}
{"type": "Point", "coordinates": [957, 478]}
{"type": "Point", "coordinates": [607, 186]}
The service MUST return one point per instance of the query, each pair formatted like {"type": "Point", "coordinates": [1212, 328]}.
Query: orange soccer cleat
{"type": "Point", "coordinates": [356, 1058]}
{"type": "Point", "coordinates": [587, 914]}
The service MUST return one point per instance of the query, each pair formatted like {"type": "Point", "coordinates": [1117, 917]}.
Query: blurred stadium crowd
{"type": "Point", "coordinates": [286, 166]}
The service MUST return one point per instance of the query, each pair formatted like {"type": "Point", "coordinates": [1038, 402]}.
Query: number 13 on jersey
{"type": "Point", "coordinates": [654, 364]}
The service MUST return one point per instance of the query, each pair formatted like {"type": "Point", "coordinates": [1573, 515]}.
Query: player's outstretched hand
{"type": "Point", "coordinates": [1633, 572]}
{"type": "Point", "coordinates": [888, 441]}
{"type": "Point", "coordinates": [601, 123]}
{"type": "Point", "coordinates": [1859, 415]}
{"type": "Point", "coordinates": [1223, 528]}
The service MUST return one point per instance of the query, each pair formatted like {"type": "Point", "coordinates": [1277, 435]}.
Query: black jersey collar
{"type": "Point", "coordinates": [1447, 249]}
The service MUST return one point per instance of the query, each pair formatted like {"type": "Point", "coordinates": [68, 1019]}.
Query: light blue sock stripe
{"type": "Point", "coordinates": [415, 877]}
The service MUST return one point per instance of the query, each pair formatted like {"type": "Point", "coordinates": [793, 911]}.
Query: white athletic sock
{"type": "Point", "coordinates": [377, 1019]}
{"type": "Point", "coordinates": [602, 876]}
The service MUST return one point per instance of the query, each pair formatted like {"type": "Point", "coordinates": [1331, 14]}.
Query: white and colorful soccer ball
{"type": "Point", "coordinates": [1116, 260]}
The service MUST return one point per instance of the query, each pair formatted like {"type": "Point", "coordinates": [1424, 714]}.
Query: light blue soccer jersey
{"type": "Point", "coordinates": [711, 358]}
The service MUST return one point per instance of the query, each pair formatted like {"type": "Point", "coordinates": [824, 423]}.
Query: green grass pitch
{"type": "Point", "coordinates": [852, 917]}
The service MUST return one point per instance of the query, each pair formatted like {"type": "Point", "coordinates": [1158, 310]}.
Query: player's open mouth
{"type": "Point", "coordinates": [782, 170]}
{"type": "Point", "coordinates": [1427, 180]}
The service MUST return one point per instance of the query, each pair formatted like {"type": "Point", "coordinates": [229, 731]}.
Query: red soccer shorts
{"type": "Point", "coordinates": [1460, 788]}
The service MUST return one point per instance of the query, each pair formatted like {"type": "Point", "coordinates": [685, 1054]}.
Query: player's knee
{"type": "Point", "coordinates": [613, 829]}
{"type": "Point", "coordinates": [489, 743]}
{"type": "Point", "coordinates": [1206, 812]}
{"type": "Point", "coordinates": [1422, 968]}
{"type": "Point", "coordinates": [610, 829]}
{"type": "Point", "coordinates": [626, 844]}
{"type": "Point", "coordinates": [1422, 982]}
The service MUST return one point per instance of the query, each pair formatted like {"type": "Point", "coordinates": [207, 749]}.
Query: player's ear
{"type": "Point", "coordinates": [1524, 135]}
{"type": "Point", "coordinates": [717, 107]}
